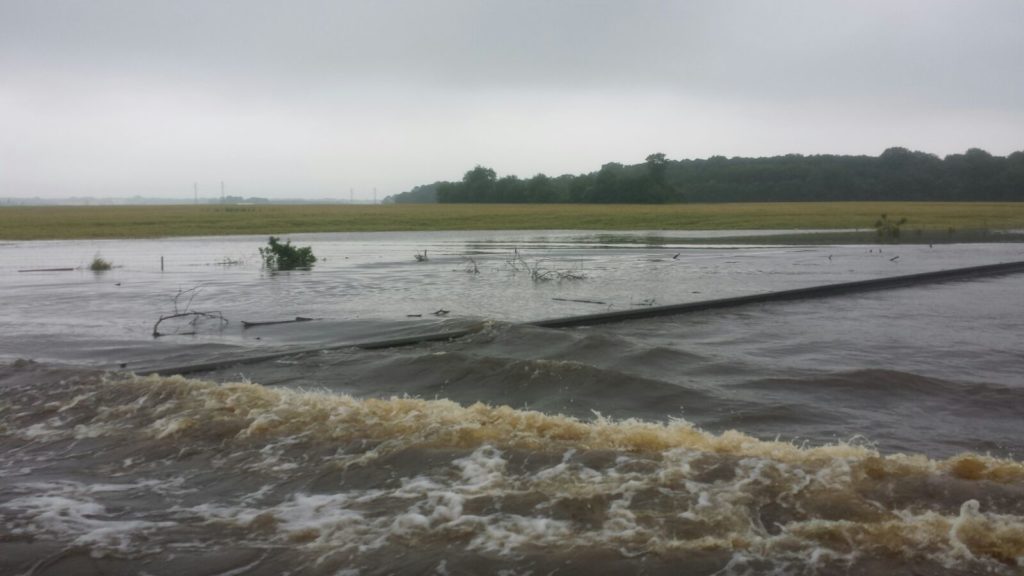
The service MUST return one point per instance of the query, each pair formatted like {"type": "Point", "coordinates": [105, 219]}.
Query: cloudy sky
{"type": "Point", "coordinates": [317, 98]}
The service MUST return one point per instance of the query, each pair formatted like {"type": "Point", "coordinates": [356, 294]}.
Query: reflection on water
{"type": "Point", "coordinates": [640, 447]}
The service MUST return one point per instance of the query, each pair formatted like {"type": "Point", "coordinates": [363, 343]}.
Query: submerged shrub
{"type": "Point", "coordinates": [99, 264]}
{"type": "Point", "coordinates": [277, 256]}
{"type": "Point", "coordinates": [888, 230]}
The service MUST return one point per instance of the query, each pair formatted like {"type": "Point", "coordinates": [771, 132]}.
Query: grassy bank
{"type": "Point", "coordinates": [75, 222]}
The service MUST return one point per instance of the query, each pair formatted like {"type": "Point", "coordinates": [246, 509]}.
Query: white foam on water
{"type": "Point", "coordinates": [79, 520]}
{"type": "Point", "coordinates": [632, 486]}
{"type": "Point", "coordinates": [482, 469]}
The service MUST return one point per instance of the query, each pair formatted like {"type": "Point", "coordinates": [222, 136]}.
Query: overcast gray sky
{"type": "Point", "coordinates": [314, 98]}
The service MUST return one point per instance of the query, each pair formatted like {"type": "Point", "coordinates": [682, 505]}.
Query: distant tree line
{"type": "Point", "coordinates": [897, 174]}
{"type": "Point", "coordinates": [238, 200]}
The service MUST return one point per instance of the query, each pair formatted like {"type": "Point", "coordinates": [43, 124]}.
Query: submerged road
{"type": "Point", "coordinates": [822, 291]}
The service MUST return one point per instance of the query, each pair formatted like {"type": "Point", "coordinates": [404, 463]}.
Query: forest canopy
{"type": "Point", "coordinates": [896, 174]}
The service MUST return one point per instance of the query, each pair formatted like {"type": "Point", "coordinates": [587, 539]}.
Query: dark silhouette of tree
{"type": "Point", "coordinates": [510, 190]}
{"type": "Point", "coordinates": [657, 165]}
{"type": "Point", "coordinates": [540, 189]}
{"type": "Point", "coordinates": [479, 184]}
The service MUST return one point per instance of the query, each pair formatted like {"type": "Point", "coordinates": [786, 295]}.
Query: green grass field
{"type": "Point", "coordinates": [80, 222]}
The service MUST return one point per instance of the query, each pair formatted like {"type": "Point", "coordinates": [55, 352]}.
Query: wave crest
{"type": "Point", "coordinates": [351, 482]}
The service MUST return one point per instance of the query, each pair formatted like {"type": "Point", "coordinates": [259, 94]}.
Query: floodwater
{"type": "Point", "coordinates": [870, 433]}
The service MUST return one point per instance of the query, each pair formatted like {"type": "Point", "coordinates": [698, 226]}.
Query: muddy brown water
{"type": "Point", "coordinates": [861, 434]}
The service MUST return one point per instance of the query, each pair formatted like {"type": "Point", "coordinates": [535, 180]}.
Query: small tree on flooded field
{"type": "Point", "coordinates": [278, 256]}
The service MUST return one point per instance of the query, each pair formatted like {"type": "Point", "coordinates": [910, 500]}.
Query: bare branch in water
{"type": "Point", "coordinates": [196, 317]}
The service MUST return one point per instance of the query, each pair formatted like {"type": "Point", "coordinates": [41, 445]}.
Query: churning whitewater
{"type": "Point", "coordinates": [117, 473]}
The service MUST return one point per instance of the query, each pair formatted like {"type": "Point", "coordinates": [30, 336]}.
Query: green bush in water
{"type": "Point", "coordinates": [278, 256]}
{"type": "Point", "coordinates": [100, 265]}
{"type": "Point", "coordinates": [888, 230]}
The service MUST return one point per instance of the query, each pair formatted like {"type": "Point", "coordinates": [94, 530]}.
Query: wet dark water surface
{"type": "Point", "coordinates": [863, 434]}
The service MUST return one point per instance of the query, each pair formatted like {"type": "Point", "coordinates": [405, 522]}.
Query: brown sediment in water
{"type": "Point", "coordinates": [406, 485]}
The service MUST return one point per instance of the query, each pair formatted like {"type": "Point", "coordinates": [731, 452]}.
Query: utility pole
{"type": "Point", "coordinates": [221, 191]}
{"type": "Point", "coordinates": [195, 190]}
{"type": "Point", "coordinates": [374, 194]}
